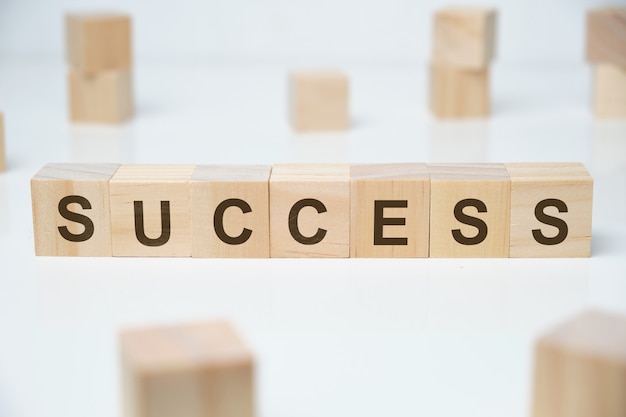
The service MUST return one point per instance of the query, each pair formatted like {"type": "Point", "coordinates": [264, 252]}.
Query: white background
{"type": "Point", "coordinates": [348, 337]}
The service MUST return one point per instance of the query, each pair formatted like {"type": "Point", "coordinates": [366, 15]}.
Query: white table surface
{"type": "Point", "coordinates": [349, 337]}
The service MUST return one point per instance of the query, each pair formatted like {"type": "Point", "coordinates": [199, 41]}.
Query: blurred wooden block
{"type": "Point", "coordinates": [230, 211]}
{"type": "Point", "coordinates": [580, 368]}
{"type": "Point", "coordinates": [105, 97]}
{"type": "Point", "coordinates": [458, 92]}
{"type": "Point", "coordinates": [310, 211]}
{"type": "Point", "coordinates": [610, 91]}
{"type": "Point", "coordinates": [98, 41]}
{"type": "Point", "coordinates": [464, 37]}
{"type": "Point", "coordinates": [71, 209]}
{"type": "Point", "coordinates": [3, 160]}
{"type": "Point", "coordinates": [389, 211]}
{"type": "Point", "coordinates": [318, 100]}
{"type": "Point", "coordinates": [469, 211]}
{"type": "Point", "coordinates": [150, 213]}
{"type": "Point", "coordinates": [550, 210]}
{"type": "Point", "coordinates": [197, 370]}
{"type": "Point", "coordinates": [606, 36]}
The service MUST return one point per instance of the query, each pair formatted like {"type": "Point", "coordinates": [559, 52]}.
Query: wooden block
{"type": "Point", "coordinates": [195, 370]}
{"type": "Point", "coordinates": [71, 209]}
{"type": "Point", "coordinates": [464, 36]}
{"type": "Point", "coordinates": [457, 92]}
{"type": "Point", "coordinates": [606, 36]}
{"type": "Point", "coordinates": [318, 100]}
{"type": "Point", "coordinates": [230, 211]}
{"type": "Point", "coordinates": [469, 210]}
{"type": "Point", "coordinates": [580, 368]}
{"type": "Point", "coordinates": [150, 213]}
{"type": "Point", "coordinates": [389, 211]}
{"type": "Point", "coordinates": [550, 210]}
{"type": "Point", "coordinates": [3, 160]}
{"type": "Point", "coordinates": [105, 97]}
{"type": "Point", "coordinates": [310, 211]}
{"type": "Point", "coordinates": [610, 91]}
{"type": "Point", "coordinates": [98, 41]}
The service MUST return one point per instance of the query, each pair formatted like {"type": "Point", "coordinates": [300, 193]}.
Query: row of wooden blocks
{"type": "Point", "coordinates": [205, 370]}
{"type": "Point", "coordinates": [464, 41]}
{"type": "Point", "coordinates": [100, 76]}
{"type": "Point", "coordinates": [606, 50]}
{"type": "Point", "coordinates": [313, 210]}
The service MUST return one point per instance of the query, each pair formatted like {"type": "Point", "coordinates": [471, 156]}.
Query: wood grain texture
{"type": "Point", "coordinates": [580, 368]}
{"type": "Point", "coordinates": [246, 187]}
{"type": "Point", "coordinates": [464, 37]}
{"type": "Point", "coordinates": [49, 187]}
{"type": "Point", "coordinates": [105, 97]}
{"type": "Point", "coordinates": [193, 370]}
{"type": "Point", "coordinates": [453, 183]}
{"type": "Point", "coordinates": [328, 184]}
{"type": "Point", "coordinates": [458, 92]}
{"type": "Point", "coordinates": [3, 158]}
{"type": "Point", "coordinates": [318, 100]}
{"type": "Point", "coordinates": [609, 96]}
{"type": "Point", "coordinates": [533, 183]}
{"type": "Point", "coordinates": [606, 36]}
{"type": "Point", "coordinates": [407, 184]}
{"type": "Point", "coordinates": [98, 41]}
{"type": "Point", "coordinates": [153, 186]}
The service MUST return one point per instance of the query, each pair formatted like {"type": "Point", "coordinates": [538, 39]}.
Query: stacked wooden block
{"type": "Point", "coordinates": [606, 50]}
{"type": "Point", "coordinates": [318, 100]}
{"type": "Point", "coordinates": [313, 210]}
{"type": "Point", "coordinates": [3, 160]}
{"type": "Point", "coordinates": [580, 368]}
{"type": "Point", "coordinates": [193, 370]}
{"type": "Point", "coordinates": [100, 76]}
{"type": "Point", "coordinates": [463, 47]}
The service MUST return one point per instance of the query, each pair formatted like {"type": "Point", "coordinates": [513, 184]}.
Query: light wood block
{"type": "Point", "coordinates": [3, 160]}
{"type": "Point", "coordinates": [469, 210]}
{"type": "Point", "coordinates": [230, 211]}
{"type": "Point", "coordinates": [318, 100]}
{"type": "Point", "coordinates": [98, 41]}
{"type": "Point", "coordinates": [550, 210]}
{"type": "Point", "coordinates": [150, 212]}
{"type": "Point", "coordinates": [194, 370]}
{"type": "Point", "coordinates": [606, 36]}
{"type": "Point", "coordinates": [310, 211]}
{"type": "Point", "coordinates": [610, 91]}
{"type": "Point", "coordinates": [105, 97]}
{"type": "Point", "coordinates": [389, 211]}
{"type": "Point", "coordinates": [71, 209]}
{"type": "Point", "coordinates": [580, 368]}
{"type": "Point", "coordinates": [464, 37]}
{"type": "Point", "coordinates": [459, 93]}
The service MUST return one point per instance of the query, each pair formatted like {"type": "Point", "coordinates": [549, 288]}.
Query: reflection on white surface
{"type": "Point", "coordinates": [459, 140]}
{"type": "Point", "coordinates": [609, 144]}
{"type": "Point", "coordinates": [320, 147]}
{"type": "Point", "coordinates": [101, 143]}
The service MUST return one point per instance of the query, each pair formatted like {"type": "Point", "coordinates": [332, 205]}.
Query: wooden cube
{"type": "Point", "coordinates": [464, 37]}
{"type": "Point", "coordinates": [389, 211]}
{"type": "Point", "coordinates": [150, 210]}
{"type": "Point", "coordinates": [310, 211]}
{"type": "Point", "coordinates": [606, 36]}
{"type": "Point", "coordinates": [459, 92]}
{"type": "Point", "coordinates": [580, 368]}
{"type": "Point", "coordinates": [194, 370]}
{"type": "Point", "coordinates": [3, 160]}
{"type": "Point", "coordinates": [71, 209]}
{"type": "Point", "coordinates": [550, 210]}
{"type": "Point", "coordinates": [230, 211]}
{"type": "Point", "coordinates": [318, 100]}
{"type": "Point", "coordinates": [469, 210]}
{"type": "Point", "coordinates": [105, 97]}
{"type": "Point", "coordinates": [98, 41]}
{"type": "Point", "coordinates": [609, 91]}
